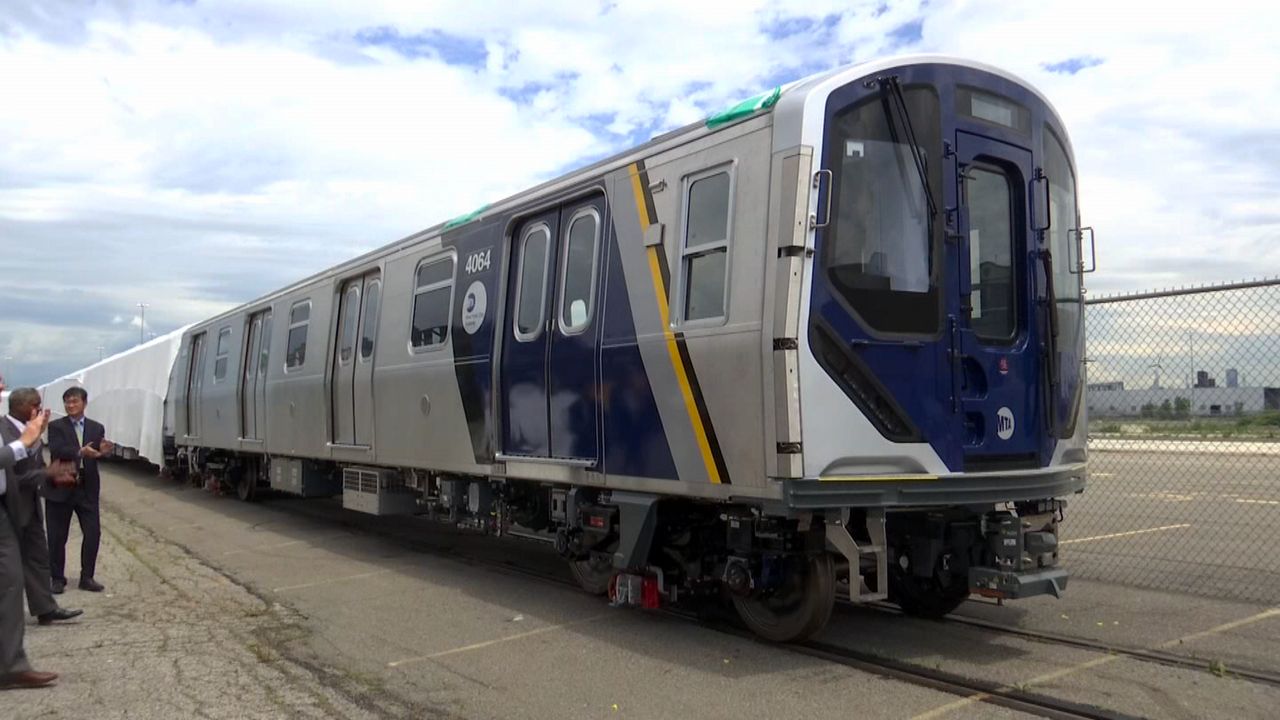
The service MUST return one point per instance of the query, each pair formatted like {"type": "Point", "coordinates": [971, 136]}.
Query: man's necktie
{"type": "Point", "coordinates": [80, 439]}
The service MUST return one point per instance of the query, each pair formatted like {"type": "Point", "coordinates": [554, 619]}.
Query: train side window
{"type": "Point", "coordinates": [531, 290]}
{"type": "Point", "coordinates": [432, 302]}
{"type": "Point", "coordinates": [220, 357]}
{"type": "Point", "coordinates": [369, 325]}
{"type": "Point", "coordinates": [704, 254]}
{"type": "Point", "coordinates": [295, 353]}
{"type": "Point", "coordinates": [578, 286]}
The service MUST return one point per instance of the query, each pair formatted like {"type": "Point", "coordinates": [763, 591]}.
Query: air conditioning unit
{"type": "Point", "coordinates": [377, 491]}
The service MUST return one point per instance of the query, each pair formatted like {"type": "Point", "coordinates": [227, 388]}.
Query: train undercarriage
{"type": "Point", "coordinates": [782, 572]}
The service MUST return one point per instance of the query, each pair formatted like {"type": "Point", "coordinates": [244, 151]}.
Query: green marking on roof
{"type": "Point", "coordinates": [464, 219]}
{"type": "Point", "coordinates": [750, 106]}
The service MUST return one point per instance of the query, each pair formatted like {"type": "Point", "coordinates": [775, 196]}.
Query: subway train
{"type": "Point", "coordinates": [826, 343]}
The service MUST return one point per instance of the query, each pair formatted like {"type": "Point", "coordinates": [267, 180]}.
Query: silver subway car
{"type": "Point", "coordinates": [828, 342]}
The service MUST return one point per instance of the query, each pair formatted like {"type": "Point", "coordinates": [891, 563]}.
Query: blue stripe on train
{"type": "Point", "coordinates": [635, 442]}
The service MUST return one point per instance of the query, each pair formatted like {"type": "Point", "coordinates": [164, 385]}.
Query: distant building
{"type": "Point", "coordinates": [1233, 378]}
{"type": "Point", "coordinates": [1203, 380]}
{"type": "Point", "coordinates": [1112, 400]}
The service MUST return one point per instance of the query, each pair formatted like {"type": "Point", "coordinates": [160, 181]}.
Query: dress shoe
{"type": "Point", "coordinates": [59, 614]}
{"type": "Point", "coordinates": [28, 679]}
{"type": "Point", "coordinates": [59, 586]}
{"type": "Point", "coordinates": [91, 585]}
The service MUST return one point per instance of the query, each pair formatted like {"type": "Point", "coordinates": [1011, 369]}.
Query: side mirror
{"type": "Point", "coordinates": [1040, 219]}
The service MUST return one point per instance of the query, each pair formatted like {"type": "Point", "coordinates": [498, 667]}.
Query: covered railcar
{"type": "Point", "coordinates": [827, 342]}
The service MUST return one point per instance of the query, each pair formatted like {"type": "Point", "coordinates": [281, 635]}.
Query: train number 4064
{"type": "Point", "coordinates": [478, 261]}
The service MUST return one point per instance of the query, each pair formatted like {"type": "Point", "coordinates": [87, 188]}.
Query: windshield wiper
{"type": "Point", "coordinates": [893, 88]}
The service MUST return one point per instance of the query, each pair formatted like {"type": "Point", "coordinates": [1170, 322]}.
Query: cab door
{"type": "Point", "coordinates": [996, 338]}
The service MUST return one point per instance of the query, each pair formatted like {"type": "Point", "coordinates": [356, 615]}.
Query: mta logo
{"type": "Point", "coordinates": [1004, 423]}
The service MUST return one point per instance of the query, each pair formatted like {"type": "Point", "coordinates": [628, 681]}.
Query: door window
{"type": "Point", "coordinates": [531, 290]}
{"type": "Point", "coordinates": [369, 325]}
{"type": "Point", "coordinates": [576, 301]}
{"type": "Point", "coordinates": [989, 197]}
{"type": "Point", "coordinates": [265, 354]}
{"type": "Point", "coordinates": [350, 310]}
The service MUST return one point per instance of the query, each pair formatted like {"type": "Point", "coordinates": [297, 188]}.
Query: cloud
{"type": "Point", "coordinates": [1071, 66]}
{"type": "Point", "coordinates": [193, 157]}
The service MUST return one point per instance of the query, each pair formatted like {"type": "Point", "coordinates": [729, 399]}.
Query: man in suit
{"type": "Point", "coordinates": [15, 669]}
{"type": "Point", "coordinates": [77, 439]}
{"type": "Point", "coordinates": [25, 512]}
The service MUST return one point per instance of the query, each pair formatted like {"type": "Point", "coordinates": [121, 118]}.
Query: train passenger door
{"type": "Point", "coordinates": [249, 380]}
{"type": "Point", "coordinates": [525, 426]}
{"type": "Point", "coordinates": [362, 387]}
{"type": "Point", "coordinates": [997, 358]}
{"type": "Point", "coordinates": [352, 419]}
{"type": "Point", "coordinates": [572, 362]}
{"type": "Point", "coordinates": [549, 360]}
{"type": "Point", "coordinates": [260, 384]}
{"type": "Point", "coordinates": [195, 384]}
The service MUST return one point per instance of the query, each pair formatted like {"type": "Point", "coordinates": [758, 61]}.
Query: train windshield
{"type": "Point", "coordinates": [882, 256]}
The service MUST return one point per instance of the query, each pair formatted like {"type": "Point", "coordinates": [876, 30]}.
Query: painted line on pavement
{"type": "Point", "coordinates": [329, 581]}
{"type": "Point", "coordinates": [1040, 679]}
{"type": "Point", "coordinates": [1125, 534]}
{"type": "Point", "coordinates": [290, 543]}
{"type": "Point", "coordinates": [497, 641]}
{"type": "Point", "coordinates": [263, 547]}
{"type": "Point", "coordinates": [183, 525]}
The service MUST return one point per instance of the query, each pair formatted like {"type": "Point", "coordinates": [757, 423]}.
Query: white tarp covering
{"type": "Point", "coordinates": [126, 394]}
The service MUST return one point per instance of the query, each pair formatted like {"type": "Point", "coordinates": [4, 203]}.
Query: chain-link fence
{"type": "Point", "coordinates": [1184, 436]}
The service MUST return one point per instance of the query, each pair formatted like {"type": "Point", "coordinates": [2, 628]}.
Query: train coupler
{"type": "Point", "coordinates": [1013, 584]}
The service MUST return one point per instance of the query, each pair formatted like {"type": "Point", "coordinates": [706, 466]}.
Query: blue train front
{"type": "Point", "coordinates": [940, 359]}
{"type": "Point", "coordinates": [826, 343]}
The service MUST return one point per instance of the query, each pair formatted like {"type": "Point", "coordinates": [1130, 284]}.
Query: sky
{"type": "Point", "coordinates": [194, 155]}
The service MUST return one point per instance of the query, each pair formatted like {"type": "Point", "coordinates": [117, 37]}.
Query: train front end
{"type": "Point", "coordinates": [941, 352]}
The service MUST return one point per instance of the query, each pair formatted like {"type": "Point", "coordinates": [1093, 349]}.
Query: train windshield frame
{"type": "Point", "coordinates": [877, 202]}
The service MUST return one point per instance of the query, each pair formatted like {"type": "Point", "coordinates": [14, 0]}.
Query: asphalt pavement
{"type": "Point", "coordinates": [297, 608]}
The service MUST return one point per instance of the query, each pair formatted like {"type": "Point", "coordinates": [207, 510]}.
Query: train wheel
{"type": "Point", "coordinates": [594, 573]}
{"type": "Point", "coordinates": [796, 610]}
{"type": "Point", "coordinates": [247, 484]}
{"type": "Point", "coordinates": [924, 597]}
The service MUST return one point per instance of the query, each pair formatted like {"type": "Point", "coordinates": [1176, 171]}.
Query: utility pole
{"type": "Point", "coordinates": [142, 322]}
